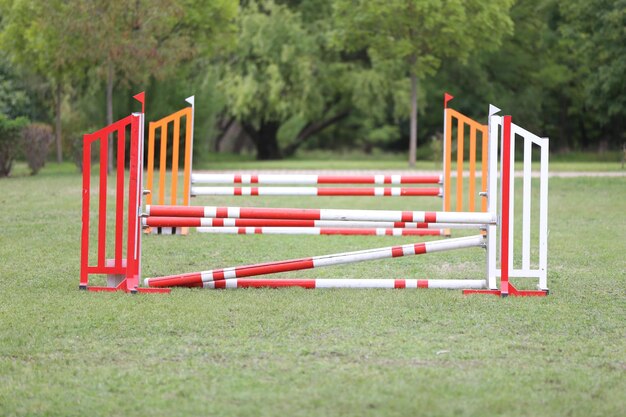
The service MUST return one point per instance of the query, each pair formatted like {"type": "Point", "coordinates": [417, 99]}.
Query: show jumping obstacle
{"type": "Point", "coordinates": [195, 183]}
{"type": "Point", "coordinates": [124, 274]}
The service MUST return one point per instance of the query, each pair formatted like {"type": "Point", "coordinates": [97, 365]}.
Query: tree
{"type": "Point", "coordinates": [413, 36]}
{"type": "Point", "coordinates": [122, 42]}
{"type": "Point", "coordinates": [14, 100]}
{"type": "Point", "coordinates": [130, 44]}
{"type": "Point", "coordinates": [40, 38]}
{"type": "Point", "coordinates": [592, 31]}
{"type": "Point", "coordinates": [283, 69]}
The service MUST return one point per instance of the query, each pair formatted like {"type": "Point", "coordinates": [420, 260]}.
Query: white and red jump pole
{"type": "Point", "coordinates": [309, 179]}
{"type": "Point", "coordinates": [380, 283]}
{"type": "Point", "coordinates": [204, 222]}
{"type": "Point", "coordinates": [197, 279]}
{"type": "Point", "coordinates": [318, 192]}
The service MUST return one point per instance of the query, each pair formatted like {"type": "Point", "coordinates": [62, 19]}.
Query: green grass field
{"type": "Point", "coordinates": [295, 352]}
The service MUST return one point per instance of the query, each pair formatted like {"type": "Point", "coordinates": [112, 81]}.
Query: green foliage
{"type": "Point", "coordinates": [594, 31]}
{"type": "Point", "coordinates": [328, 73]}
{"type": "Point", "coordinates": [146, 38]}
{"type": "Point", "coordinates": [14, 100]}
{"type": "Point", "coordinates": [280, 68]}
{"type": "Point", "coordinates": [42, 39]}
{"type": "Point", "coordinates": [9, 142]}
{"type": "Point", "coordinates": [410, 38]}
{"type": "Point", "coordinates": [276, 70]}
{"type": "Point", "coordinates": [418, 34]}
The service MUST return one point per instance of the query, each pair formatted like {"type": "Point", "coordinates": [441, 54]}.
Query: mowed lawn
{"type": "Point", "coordinates": [296, 352]}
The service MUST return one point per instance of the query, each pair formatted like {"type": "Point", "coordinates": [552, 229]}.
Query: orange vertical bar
{"type": "Point", "coordinates": [176, 138]}
{"type": "Point", "coordinates": [472, 168]}
{"type": "Point", "coordinates": [448, 156]}
{"type": "Point", "coordinates": [187, 167]}
{"type": "Point", "coordinates": [484, 162]}
{"type": "Point", "coordinates": [150, 174]}
{"type": "Point", "coordinates": [162, 164]}
{"type": "Point", "coordinates": [459, 165]}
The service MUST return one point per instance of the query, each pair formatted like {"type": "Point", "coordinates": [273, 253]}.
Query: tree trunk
{"type": "Point", "coordinates": [59, 143]}
{"type": "Point", "coordinates": [311, 129]}
{"type": "Point", "coordinates": [110, 113]}
{"type": "Point", "coordinates": [413, 134]}
{"type": "Point", "coordinates": [265, 140]}
{"type": "Point", "coordinates": [224, 126]}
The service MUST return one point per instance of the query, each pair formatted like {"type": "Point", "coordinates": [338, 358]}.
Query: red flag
{"type": "Point", "coordinates": [141, 97]}
{"type": "Point", "coordinates": [446, 97]}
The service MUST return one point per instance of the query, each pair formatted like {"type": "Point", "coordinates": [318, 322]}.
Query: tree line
{"type": "Point", "coordinates": [294, 74]}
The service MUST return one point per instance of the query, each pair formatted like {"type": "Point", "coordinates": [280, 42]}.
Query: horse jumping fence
{"type": "Point", "coordinates": [125, 273]}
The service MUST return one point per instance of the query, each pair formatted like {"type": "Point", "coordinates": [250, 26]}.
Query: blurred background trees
{"type": "Point", "coordinates": [282, 76]}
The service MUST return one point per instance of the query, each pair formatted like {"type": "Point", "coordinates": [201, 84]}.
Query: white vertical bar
{"type": "Point", "coordinates": [543, 216]}
{"type": "Point", "coordinates": [526, 203]}
{"type": "Point", "coordinates": [139, 192]}
{"type": "Point", "coordinates": [512, 199]}
{"type": "Point", "coordinates": [191, 100]}
{"type": "Point", "coordinates": [492, 195]}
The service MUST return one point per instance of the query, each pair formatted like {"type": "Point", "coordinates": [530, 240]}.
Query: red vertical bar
{"type": "Point", "coordinates": [119, 196]}
{"type": "Point", "coordinates": [84, 243]}
{"type": "Point", "coordinates": [504, 224]}
{"type": "Point", "coordinates": [132, 265]}
{"type": "Point", "coordinates": [102, 212]}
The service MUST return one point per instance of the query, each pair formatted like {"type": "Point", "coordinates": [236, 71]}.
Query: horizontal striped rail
{"type": "Point", "coordinates": [304, 179]}
{"type": "Point", "coordinates": [320, 192]}
{"type": "Point", "coordinates": [156, 221]}
{"type": "Point", "coordinates": [379, 231]}
{"type": "Point", "coordinates": [195, 279]}
{"type": "Point", "coordinates": [321, 214]}
{"type": "Point", "coordinates": [450, 284]}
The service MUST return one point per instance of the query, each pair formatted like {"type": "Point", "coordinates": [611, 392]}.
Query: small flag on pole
{"type": "Point", "coordinates": [141, 97]}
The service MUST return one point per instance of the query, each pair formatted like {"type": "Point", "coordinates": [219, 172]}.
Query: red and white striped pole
{"type": "Point", "coordinates": [380, 231]}
{"type": "Point", "coordinates": [321, 214]}
{"type": "Point", "coordinates": [199, 278]}
{"type": "Point", "coordinates": [319, 192]}
{"type": "Point", "coordinates": [156, 221]}
{"type": "Point", "coordinates": [386, 283]}
{"type": "Point", "coordinates": [306, 179]}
